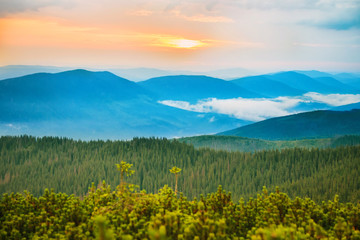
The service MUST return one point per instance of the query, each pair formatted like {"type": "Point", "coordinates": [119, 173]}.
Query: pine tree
{"type": "Point", "coordinates": [175, 170]}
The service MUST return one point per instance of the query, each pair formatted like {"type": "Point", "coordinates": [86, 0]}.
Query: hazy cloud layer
{"type": "Point", "coordinates": [241, 108]}
{"type": "Point", "coordinates": [260, 109]}
{"type": "Point", "coordinates": [334, 99]}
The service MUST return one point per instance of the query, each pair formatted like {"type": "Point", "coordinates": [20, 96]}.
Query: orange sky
{"type": "Point", "coordinates": [171, 34]}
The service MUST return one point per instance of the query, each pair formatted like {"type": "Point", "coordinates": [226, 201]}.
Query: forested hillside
{"type": "Point", "coordinates": [69, 166]}
{"type": "Point", "coordinates": [242, 144]}
{"type": "Point", "coordinates": [315, 124]}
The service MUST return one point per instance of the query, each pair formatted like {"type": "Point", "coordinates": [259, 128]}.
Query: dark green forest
{"type": "Point", "coordinates": [305, 125]}
{"type": "Point", "coordinates": [69, 166]}
{"type": "Point", "coordinates": [242, 144]}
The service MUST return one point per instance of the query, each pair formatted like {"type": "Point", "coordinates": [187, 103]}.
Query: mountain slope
{"type": "Point", "coordinates": [194, 88]}
{"type": "Point", "coordinates": [267, 87]}
{"type": "Point", "coordinates": [341, 87]}
{"type": "Point", "coordinates": [347, 107]}
{"type": "Point", "coordinates": [302, 82]}
{"type": "Point", "coordinates": [350, 79]}
{"type": "Point", "coordinates": [13, 71]}
{"type": "Point", "coordinates": [73, 84]}
{"type": "Point", "coordinates": [242, 144]}
{"type": "Point", "coordinates": [43, 95]}
{"type": "Point", "coordinates": [91, 105]}
{"type": "Point", "coordinates": [317, 124]}
{"type": "Point", "coordinates": [314, 73]}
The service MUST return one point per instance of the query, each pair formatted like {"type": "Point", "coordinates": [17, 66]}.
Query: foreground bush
{"type": "Point", "coordinates": [129, 214]}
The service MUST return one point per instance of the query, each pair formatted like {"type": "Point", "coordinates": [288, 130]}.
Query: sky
{"type": "Point", "coordinates": [196, 35]}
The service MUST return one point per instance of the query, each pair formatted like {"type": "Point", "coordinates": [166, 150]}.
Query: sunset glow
{"type": "Point", "coordinates": [183, 43]}
{"type": "Point", "coordinates": [182, 34]}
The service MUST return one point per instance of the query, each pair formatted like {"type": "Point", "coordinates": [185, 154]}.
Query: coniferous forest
{"type": "Point", "coordinates": [69, 166]}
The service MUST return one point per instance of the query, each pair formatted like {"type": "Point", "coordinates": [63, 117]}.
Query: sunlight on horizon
{"type": "Point", "coordinates": [185, 43]}
{"type": "Point", "coordinates": [178, 42]}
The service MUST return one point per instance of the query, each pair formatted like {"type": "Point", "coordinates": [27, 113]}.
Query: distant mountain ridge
{"type": "Point", "coordinates": [45, 96]}
{"type": "Point", "coordinates": [316, 124]}
{"type": "Point", "coordinates": [294, 83]}
{"type": "Point", "coordinates": [268, 87]}
{"type": "Point", "coordinates": [133, 74]}
{"type": "Point", "coordinates": [92, 105]}
{"type": "Point", "coordinates": [96, 85]}
{"type": "Point", "coordinates": [77, 103]}
{"type": "Point", "coordinates": [350, 79]}
{"type": "Point", "coordinates": [194, 88]}
{"type": "Point", "coordinates": [305, 83]}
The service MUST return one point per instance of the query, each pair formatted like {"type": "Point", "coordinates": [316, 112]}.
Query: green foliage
{"type": "Point", "coordinates": [68, 166]}
{"type": "Point", "coordinates": [124, 169]}
{"type": "Point", "coordinates": [104, 214]}
{"type": "Point", "coordinates": [102, 232]}
{"type": "Point", "coordinates": [175, 170]}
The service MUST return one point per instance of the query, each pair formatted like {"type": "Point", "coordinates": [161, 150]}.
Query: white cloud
{"type": "Point", "coordinates": [203, 18]}
{"type": "Point", "coordinates": [258, 109]}
{"type": "Point", "coordinates": [334, 99]}
{"type": "Point", "coordinates": [293, 5]}
{"type": "Point", "coordinates": [241, 108]}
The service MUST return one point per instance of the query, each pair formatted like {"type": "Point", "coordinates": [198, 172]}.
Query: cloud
{"type": "Point", "coordinates": [316, 45]}
{"type": "Point", "coordinates": [274, 4]}
{"type": "Point", "coordinates": [141, 13]}
{"type": "Point", "coordinates": [294, 5]}
{"type": "Point", "coordinates": [241, 108]}
{"type": "Point", "coordinates": [338, 20]}
{"type": "Point", "coordinates": [334, 99]}
{"type": "Point", "coordinates": [258, 109]}
{"type": "Point", "coordinates": [342, 24]}
{"type": "Point", "coordinates": [208, 19]}
{"type": "Point", "coordinates": [337, 15]}
{"type": "Point", "coordinates": [203, 18]}
{"type": "Point", "coordinates": [16, 6]}
{"type": "Point", "coordinates": [253, 34]}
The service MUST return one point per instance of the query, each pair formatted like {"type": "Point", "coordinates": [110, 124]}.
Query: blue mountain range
{"type": "Point", "coordinates": [91, 105]}
{"type": "Point", "coordinates": [195, 87]}
{"type": "Point", "coordinates": [81, 103]}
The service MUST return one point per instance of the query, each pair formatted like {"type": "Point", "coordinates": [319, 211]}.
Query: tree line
{"type": "Point", "coordinates": [70, 166]}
